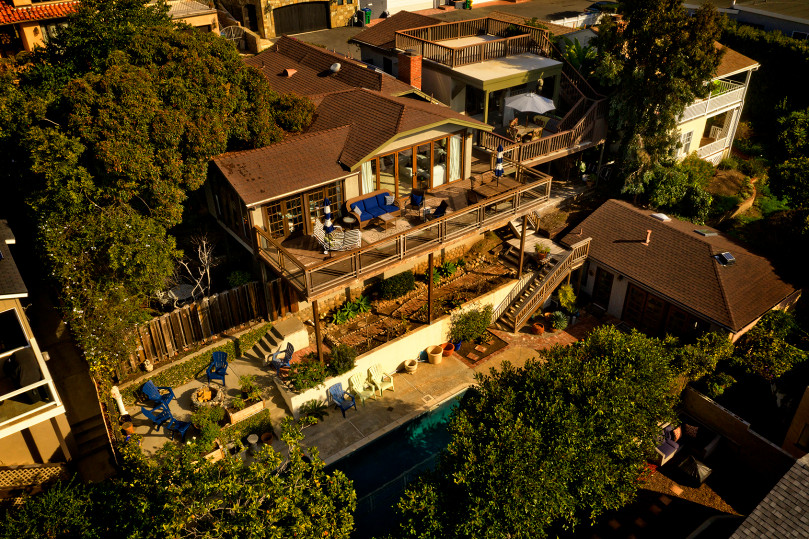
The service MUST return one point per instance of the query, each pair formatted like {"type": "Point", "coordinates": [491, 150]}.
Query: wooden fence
{"type": "Point", "coordinates": [200, 322]}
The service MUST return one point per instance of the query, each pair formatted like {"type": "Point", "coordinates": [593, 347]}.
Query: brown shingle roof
{"type": "Point", "coordinates": [678, 264]}
{"type": "Point", "coordinates": [383, 34]}
{"type": "Point", "coordinates": [312, 77]}
{"type": "Point", "coordinates": [375, 119]}
{"type": "Point", "coordinates": [11, 283]}
{"type": "Point", "coordinates": [732, 61]}
{"type": "Point", "coordinates": [294, 164]}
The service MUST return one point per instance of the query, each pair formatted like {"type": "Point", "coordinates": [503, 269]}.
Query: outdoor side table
{"type": "Point", "coordinates": [349, 220]}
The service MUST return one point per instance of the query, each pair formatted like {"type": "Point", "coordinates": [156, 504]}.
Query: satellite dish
{"type": "Point", "coordinates": [335, 67]}
{"type": "Point", "coordinates": [232, 33]}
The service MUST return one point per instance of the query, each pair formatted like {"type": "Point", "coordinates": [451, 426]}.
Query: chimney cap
{"type": "Point", "coordinates": [289, 72]}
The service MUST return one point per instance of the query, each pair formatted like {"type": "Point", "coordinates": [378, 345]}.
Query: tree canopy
{"type": "Point", "coordinates": [789, 179]}
{"type": "Point", "coordinates": [111, 125]}
{"type": "Point", "coordinates": [537, 449]}
{"type": "Point", "coordinates": [179, 494]}
{"type": "Point", "coordinates": [654, 64]}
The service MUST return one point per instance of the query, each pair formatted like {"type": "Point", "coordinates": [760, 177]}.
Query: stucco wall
{"type": "Point", "coordinates": [202, 20]}
{"type": "Point", "coordinates": [31, 35]}
{"type": "Point", "coordinates": [38, 444]}
{"type": "Point", "coordinates": [391, 356]}
{"type": "Point", "coordinates": [799, 421]}
{"type": "Point", "coordinates": [697, 125]}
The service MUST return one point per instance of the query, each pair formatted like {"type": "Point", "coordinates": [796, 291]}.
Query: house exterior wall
{"type": "Point", "coordinates": [798, 426]}
{"type": "Point", "coordinates": [31, 35]}
{"type": "Point", "coordinates": [697, 127]}
{"type": "Point", "coordinates": [373, 56]}
{"type": "Point", "coordinates": [38, 444]}
{"type": "Point", "coordinates": [208, 20]}
{"type": "Point", "coordinates": [769, 23]}
{"type": "Point", "coordinates": [438, 85]}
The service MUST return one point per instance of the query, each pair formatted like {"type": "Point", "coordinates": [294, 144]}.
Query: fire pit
{"type": "Point", "coordinates": [207, 396]}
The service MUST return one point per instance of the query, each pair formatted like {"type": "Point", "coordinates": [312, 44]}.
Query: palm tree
{"type": "Point", "coordinates": [579, 55]}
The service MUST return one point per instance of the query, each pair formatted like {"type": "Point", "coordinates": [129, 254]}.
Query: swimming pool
{"type": "Point", "coordinates": [382, 469]}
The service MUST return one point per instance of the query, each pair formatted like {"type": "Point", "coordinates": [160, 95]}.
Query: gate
{"type": "Point", "coordinates": [298, 18]}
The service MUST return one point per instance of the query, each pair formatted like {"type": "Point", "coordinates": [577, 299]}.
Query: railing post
{"type": "Point", "coordinates": [318, 338]}
{"type": "Point", "coordinates": [522, 245]}
{"type": "Point", "coordinates": [430, 288]}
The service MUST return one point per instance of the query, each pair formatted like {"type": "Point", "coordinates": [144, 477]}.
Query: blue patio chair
{"type": "Point", "coordinates": [341, 398]}
{"type": "Point", "coordinates": [158, 416]}
{"type": "Point", "coordinates": [178, 426]}
{"type": "Point", "coordinates": [277, 362]}
{"type": "Point", "coordinates": [153, 393]}
{"type": "Point", "coordinates": [218, 367]}
{"type": "Point", "coordinates": [440, 211]}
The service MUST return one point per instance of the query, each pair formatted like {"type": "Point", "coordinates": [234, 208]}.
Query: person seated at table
{"type": "Point", "coordinates": [512, 130]}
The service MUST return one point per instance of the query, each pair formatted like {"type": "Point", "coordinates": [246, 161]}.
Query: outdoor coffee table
{"type": "Point", "coordinates": [349, 221]}
{"type": "Point", "coordinates": [385, 219]}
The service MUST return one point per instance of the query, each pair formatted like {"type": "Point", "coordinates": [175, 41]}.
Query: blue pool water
{"type": "Point", "coordinates": [382, 469]}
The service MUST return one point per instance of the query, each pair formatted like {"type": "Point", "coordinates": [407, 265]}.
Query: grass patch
{"type": "Point", "coordinates": [186, 371]}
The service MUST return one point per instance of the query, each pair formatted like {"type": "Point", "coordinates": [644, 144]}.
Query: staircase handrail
{"type": "Point", "coordinates": [578, 251]}
{"type": "Point", "coordinates": [519, 286]}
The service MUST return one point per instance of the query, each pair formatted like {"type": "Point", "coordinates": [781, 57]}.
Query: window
{"type": "Point", "coordinates": [685, 143]}
{"type": "Point", "coordinates": [800, 35]}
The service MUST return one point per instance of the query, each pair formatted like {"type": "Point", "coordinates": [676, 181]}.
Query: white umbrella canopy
{"type": "Point", "coordinates": [530, 103]}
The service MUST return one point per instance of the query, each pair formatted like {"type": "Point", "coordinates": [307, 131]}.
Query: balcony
{"type": "Point", "coordinates": [468, 42]}
{"type": "Point", "coordinates": [723, 95]}
{"type": "Point", "coordinates": [301, 262]}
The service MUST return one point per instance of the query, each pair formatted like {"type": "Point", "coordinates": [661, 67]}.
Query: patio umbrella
{"type": "Point", "coordinates": [530, 103]}
{"type": "Point", "coordinates": [328, 227]}
{"type": "Point", "coordinates": [498, 164]}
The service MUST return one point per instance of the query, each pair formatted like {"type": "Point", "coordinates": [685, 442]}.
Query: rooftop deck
{"type": "Point", "coordinates": [473, 208]}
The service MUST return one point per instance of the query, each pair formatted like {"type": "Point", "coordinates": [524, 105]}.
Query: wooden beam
{"type": "Point", "coordinates": [430, 288]}
{"type": "Point", "coordinates": [522, 245]}
{"type": "Point", "coordinates": [578, 279]}
{"type": "Point", "coordinates": [318, 339]}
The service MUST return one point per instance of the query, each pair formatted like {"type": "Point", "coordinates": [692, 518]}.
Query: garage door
{"type": "Point", "coordinates": [306, 17]}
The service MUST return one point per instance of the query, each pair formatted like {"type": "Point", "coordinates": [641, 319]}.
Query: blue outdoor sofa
{"type": "Point", "coordinates": [372, 205]}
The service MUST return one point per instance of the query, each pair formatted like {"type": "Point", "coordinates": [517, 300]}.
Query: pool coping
{"type": "Point", "coordinates": [433, 403]}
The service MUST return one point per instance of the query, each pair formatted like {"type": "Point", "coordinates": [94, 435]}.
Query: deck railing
{"type": "Point", "coordinates": [713, 147]}
{"type": "Point", "coordinates": [518, 288]}
{"type": "Point", "coordinates": [424, 41]}
{"type": "Point", "coordinates": [372, 259]}
{"type": "Point", "coordinates": [572, 259]}
{"type": "Point", "coordinates": [724, 94]}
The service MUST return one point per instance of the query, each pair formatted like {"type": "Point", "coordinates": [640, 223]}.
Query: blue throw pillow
{"type": "Point", "coordinates": [417, 199]}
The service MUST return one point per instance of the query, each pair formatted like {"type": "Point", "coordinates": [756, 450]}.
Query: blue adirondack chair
{"type": "Point", "coordinates": [153, 393]}
{"type": "Point", "coordinates": [440, 211]}
{"type": "Point", "coordinates": [178, 426]}
{"type": "Point", "coordinates": [218, 367]}
{"type": "Point", "coordinates": [283, 361]}
{"type": "Point", "coordinates": [158, 416]}
{"type": "Point", "coordinates": [341, 398]}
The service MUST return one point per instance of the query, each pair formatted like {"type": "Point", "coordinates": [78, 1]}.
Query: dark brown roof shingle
{"type": "Point", "coordinates": [679, 264]}
{"type": "Point", "coordinates": [732, 61]}
{"type": "Point", "coordinates": [383, 34]}
{"type": "Point", "coordinates": [296, 163]}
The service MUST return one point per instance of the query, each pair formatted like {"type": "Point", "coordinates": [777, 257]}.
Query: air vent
{"type": "Point", "coordinates": [726, 259]}
{"type": "Point", "coordinates": [289, 72]}
{"type": "Point", "coordinates": [335, 67]}
{"type": "Point", "coordinates": [705, 232]}
{"type": "Point", "coordinates": [661, 217]}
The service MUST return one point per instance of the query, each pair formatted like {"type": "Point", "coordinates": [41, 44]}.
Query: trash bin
{"type": "Point", "coordinates": [367, 19]}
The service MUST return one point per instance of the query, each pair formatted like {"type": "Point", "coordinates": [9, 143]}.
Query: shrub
{"type": "Point", "coordinates": [247, 384]}
{"type": "Point", "coordinates": [306, 374]}
{"type": "Point", "coordinates": [470, 325]}
{"type": "Point", "coordinates": [558, 320]}
{"type": "Point", "coordinates": [754, 167]}
{"type": "Point", "coordinates": [314, 408]}
{"type": "Point", "coordinates": [728, 163]}
{"type": "Point", "coordinates": [342, 359]}
{"type": "Point", "coordinates": [237, 403]}
{"type": "Point", "coordinates": [717, 383]}
{"type": "Point", "coordinates": [351, 309]}
{"type": "Point", "coordinates": [239, 278]}
{"type": "Point", "coordinates": [698, 171]}
{"type": "Point", "coordinates": [398, 285]}
{"type": "Point", "coordinates": [567, 299]}
{"type": "Point", "coordinates": [207, 419]}
{"type": "Point", "coordinates": [701, 358]}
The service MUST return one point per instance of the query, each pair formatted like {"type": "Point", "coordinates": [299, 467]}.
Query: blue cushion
{"type": "Point", "coordinates": [359, 204]}
{"type": "Point", "coordinates": [668, 448]}
{"type": "Point", "coordinates": [376, 212]}
{"type": "Point", "coordinates": [380, 199]}
{"type": "Point", "coordinates": [416, 199]}
{"type": "Point", "coordinates": [390, 209]}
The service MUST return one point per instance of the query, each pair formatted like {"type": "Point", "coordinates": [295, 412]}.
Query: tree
{"type": "Point", "coordinates": [654, 64]}
{"type": "Point", "coordinates": [701, 358]}
{"type": "Point", "coordinates": [790, 178]}
{"type": "Point", "coordinates": [537, 449]}
{"type": "Point", "coordinates": [180, 494]}
{"type": "Point", "coordinates": [768, 349]}
{"type": "Point", "coordinates": [110, 126]}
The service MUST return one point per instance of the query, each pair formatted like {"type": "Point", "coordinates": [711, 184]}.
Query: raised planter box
{"type": "Point", "coordinates": [241, 415]}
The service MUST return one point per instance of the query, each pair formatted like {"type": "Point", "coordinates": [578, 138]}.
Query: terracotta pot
{"type": "Point", "coordinates": [448, 348]}
{"type": "Point", "coordinates": [411, 365]}
{"type": "Point", "coordinates": [434, 354]}
{"type": "Point", "coordinates": [128, 428]}
{"type": "Point", "coordinates": [266, 438]}
{"type": "Point", "coordinates": [538, 328]}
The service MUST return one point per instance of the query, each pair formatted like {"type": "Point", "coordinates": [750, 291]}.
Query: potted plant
{"type": "Point", "coordinates": [558, 320]}
{"type": "Point", "coordinates": [470, 324]}
{"type": "Point", "coordinates": [448, 348]}
{"type": "Point", "coordinates": [567, 298]}
{"type": "Point", "coordinates": [538, 327]}
{"type": "Point", "coordinates": [542, 251]}
{"type": "Point", "coordinates": [249, 403]}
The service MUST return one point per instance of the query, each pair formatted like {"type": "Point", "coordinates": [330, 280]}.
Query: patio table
{"type": "Point", "coordinates": [495, 187]}
{"type": "Point", "coordinates": [385, 219]}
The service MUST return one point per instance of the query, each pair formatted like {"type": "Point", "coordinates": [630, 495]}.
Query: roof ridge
{"type": "Point", "coordinates": [721, 281]}
{"type": "Point", "coordinates": [287, 139]}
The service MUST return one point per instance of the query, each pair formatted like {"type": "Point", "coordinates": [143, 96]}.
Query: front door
{"type": "Point", "coordinates": [603, 288]}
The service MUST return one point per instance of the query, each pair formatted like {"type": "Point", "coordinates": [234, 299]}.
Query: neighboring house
{"type": "Point", "coordinates": [272, 18]}
{"type": "Point", "coordinates": [782, 512]}
{"type": "Point", "coordinates": [33, 426]}
{"type": "Point", "coordinates": [371, 135]}
{"type": "Point", "coordinates": [796, 441]}
{"type": "Point", "coordinates": [663, 275]}
{"type": "Point", "coordinates": [789, 18]}
{"type": "Point", "coordinates": [475, 66]}
{"type": "Point", "coordinates": [708, 125]}
{"type": "Point", "coordinates": [25, 25]}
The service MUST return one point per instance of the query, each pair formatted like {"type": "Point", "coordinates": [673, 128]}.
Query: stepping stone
{"type": "Point", "coordinates": [676, 490]}
{"type": "Point", "coordinates": [655, 509]}
{"type": "Point", "coordinates": [665, 500]}
{"type": "Point", "coordinates": [614, 524]}
{"type": "Point", "coordinates": [640, 523]}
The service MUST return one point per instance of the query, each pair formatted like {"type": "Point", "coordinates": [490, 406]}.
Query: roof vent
{"type": "Point", "coordinates": [661, 217]}
{"type": "Point", "coordinates": [726, 259]}
{"type": "Point", "coordinates": [335, 67]}
{"type": "Point", "coordinates": [705, 232]}
{"type": "Point", "coordinates": [289, 72]}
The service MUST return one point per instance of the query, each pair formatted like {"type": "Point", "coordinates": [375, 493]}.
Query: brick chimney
{"type": "Point", "coordinates": [410, 69]}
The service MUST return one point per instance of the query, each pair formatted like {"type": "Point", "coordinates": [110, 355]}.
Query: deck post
{"type": "Point", "coordinates": [578, 279]}
{"type": "Point", "coordinates": [486, 106]}
{"type": "Point", "coordinates": [318, 339]}
{"type": "Point", "coordinates": [430, 288]}
{"type": "Point", "coordinates": [522, 245]}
